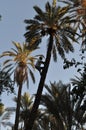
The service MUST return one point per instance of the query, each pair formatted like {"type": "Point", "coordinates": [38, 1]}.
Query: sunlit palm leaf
{"type": "Point", "coordinates": [18, 46]}
{"type": "Point", "coordinates": [8, 53]}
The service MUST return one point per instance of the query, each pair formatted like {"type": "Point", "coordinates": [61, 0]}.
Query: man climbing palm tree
{"type": "Point", "coordinates": [39, 65]}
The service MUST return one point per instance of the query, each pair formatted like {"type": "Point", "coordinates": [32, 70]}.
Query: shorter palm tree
{"type": "Point", "coordinates": [19, 62]}
{"type": "Point", "coordinates": [65, 113]}
{"type": "Point", "coordinates": [60, 112]}
{"type": "Point", "coordinates": [25, 109]}
{"type": "Point", "coordinates": [5, 114]}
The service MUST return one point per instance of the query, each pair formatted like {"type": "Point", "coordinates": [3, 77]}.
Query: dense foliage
{"type": "Point", "coordinates": [6, 83]}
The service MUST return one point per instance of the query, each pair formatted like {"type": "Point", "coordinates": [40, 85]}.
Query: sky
{"type": "Point", "coordinates": [12, 28]}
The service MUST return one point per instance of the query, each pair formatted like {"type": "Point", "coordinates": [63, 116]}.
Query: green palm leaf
{"type": "Point", "coordinates": [48, 7]}
{"type": "Point", "coordinates": [39, 11]}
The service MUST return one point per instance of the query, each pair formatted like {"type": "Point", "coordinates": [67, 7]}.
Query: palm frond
{"type": "Point", "coordinates": [66, 44]}
{"type": "Point", "coordinates": [54, 53]}
{"type": "Point", "coordinates": [18, 46]}
{"type": "Point", "coordinates": [48, 7]}
{"type": "Point", "coordinates": [31, 22]}
{"type": "Point", "coordinates": [32, 75]}
{"type": "Point", "coordinates": [10, 70]}
{"type": "Point", "coordinates": [39, 11]}
{"type": "Point", "coordinates": [7, 115]}
{"type": "Point", "coordinates": [62, 11]}
{"type": "Point", "coordinates": [7, 66]}
{"type": "Point", "coordinates": [7, 61]}
{"type": "Point", "coordinates": [14, 50]}
{"type": "Point", "coordinates": [8, 53]}
{"type": "Point", "coordinates": [60, 51]}
{"type": "Point", "coordinates": [48, 89]}
{"type": "Point", "coordinates": [34, 43]}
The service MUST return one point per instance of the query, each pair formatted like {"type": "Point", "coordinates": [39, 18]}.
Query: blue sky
{"type": "Point", "coordinates": [12, 28]}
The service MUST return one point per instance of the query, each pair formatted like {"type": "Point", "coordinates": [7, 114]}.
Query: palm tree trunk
{"type": "Point", "coordinates": [18, 108]}
{"type": "Point", "coordinates": [40, 87]}
{"type": "Point", "coordinates": [69, 112]}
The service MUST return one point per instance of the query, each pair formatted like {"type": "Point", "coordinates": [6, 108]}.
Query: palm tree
{"type": "Point", "coordinates": [5, 114]}
{"type": "Point", "coordinates": [25, 109]}
{"type": "Point", "coordinates": [61, 109]}
{"type": "Point", "coordinates": [65, 113]}
{"type": "Point", "coordinates": [79, 93]}
{"type": "Point", "coordinates": [78, 8]}
{"type": "Point", "coordinates": [55, 23]}
{"type": "Point", "coordinates": [19, 63]}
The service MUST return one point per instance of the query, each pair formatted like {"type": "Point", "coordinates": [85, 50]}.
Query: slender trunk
{"type": "Point", "coordinates": [40, 87]}
{"type": "Point", "coordinates": [18, 108]}
{"type": "Point", "coordinates": [69, 112]}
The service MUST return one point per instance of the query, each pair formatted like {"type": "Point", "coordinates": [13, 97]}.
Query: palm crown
{"type": "Point", "coordinates": [18, 61]}
{"type": "Point", "coordinates": [57, 95]}
{"type": "Point", "coordinates": [78, 10]}
{"type": "Point", "coordinates": [55, 21]}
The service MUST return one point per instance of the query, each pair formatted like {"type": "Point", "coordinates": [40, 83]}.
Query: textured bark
{"type": "Point", "coordinates": [18, 108]}
{"type": "Point", "coordinates": [33, 113]}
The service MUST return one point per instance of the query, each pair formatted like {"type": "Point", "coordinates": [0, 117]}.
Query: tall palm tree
{"type": "Point", "coordinates": [19, 62]}
{"type": "Point", "coordinates": [55, 23]}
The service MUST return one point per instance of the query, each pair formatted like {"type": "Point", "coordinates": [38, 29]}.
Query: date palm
{"type": "Point", "coordinates": [25, 109]}
{"type": "Point", "coordinates": [67, 113]}
{"type": "Point", "coordinates": [26, 105]}
{"type": "Point", "coordinates": [54, 22]}
{"type": "Point", "coordinates": [19, 62]}
{"type": "Point", "coordinates": [79, 93]}
{"type": "Point", "coordinates": [61, 108]}
{"type": "Point", "coordinates": [5, 114]}
{"type": "Point", "coordinates": [78, 9]}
